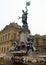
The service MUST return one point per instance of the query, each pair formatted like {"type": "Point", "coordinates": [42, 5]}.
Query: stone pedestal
{"type": "Point", "coordinates": [24, 34]}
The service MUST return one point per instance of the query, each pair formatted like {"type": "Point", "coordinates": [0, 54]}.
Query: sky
{"type": "Point", "coordinates": [11, 9]}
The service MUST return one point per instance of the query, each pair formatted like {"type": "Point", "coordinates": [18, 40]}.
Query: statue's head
{"type": "Point", "coordinates": [23, 11]}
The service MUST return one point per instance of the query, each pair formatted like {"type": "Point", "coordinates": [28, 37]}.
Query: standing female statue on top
{"type": "Point", "coordinates": [24, 17]}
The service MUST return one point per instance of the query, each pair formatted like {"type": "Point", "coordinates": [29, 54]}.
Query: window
{"type": "Point", "coordinates": [4, 49]}
{"type": "Point", "coordinates": [3, 38]}
{"type": "Point", "coordinates": [7, 48]}
{"type": "Point", "coordinates": [8, 36]}
{"type": "Point", "coordinates": [14, 36]}
{"type": "Point", "coordinates": [37, 42]}
{"type": "Point", "coordinates": [43, 41]}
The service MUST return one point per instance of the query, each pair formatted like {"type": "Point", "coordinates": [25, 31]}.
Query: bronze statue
{"type": "Point", "coordinates": [24, 17]}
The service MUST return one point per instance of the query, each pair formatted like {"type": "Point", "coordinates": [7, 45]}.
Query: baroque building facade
{"type": "Point", "coordinates": [8, 35]}
{"type": "Point", "coordinates": [11, 33]}
{"type": "Point", "coordinates": [40, 43]}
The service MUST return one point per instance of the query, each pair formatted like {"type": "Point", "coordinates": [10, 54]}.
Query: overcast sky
{"type": "Point", "coordinates": [11, 9]}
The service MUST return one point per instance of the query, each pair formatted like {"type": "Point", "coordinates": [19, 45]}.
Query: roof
{"type": "Point", "coordinates": [44, 36]}
{"type": "Point", "coordinates": [13, 24]}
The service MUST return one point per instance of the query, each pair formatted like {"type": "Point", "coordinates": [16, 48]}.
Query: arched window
{"type": "Point", "coordinates": [37, 42]}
